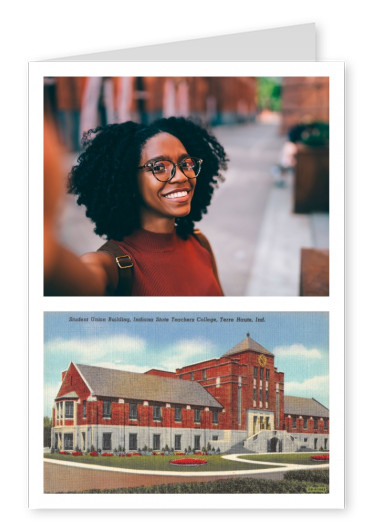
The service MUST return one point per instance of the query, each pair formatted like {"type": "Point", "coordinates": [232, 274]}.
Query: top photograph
{"type": "Point", "coordinates": [186, 186]}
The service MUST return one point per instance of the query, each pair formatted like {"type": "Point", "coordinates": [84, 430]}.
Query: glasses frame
{"type": "Point", "coordinates": [150, 166]}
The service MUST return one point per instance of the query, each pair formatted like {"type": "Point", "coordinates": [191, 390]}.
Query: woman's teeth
{"type": "Point", "coordinates": [176, 194]}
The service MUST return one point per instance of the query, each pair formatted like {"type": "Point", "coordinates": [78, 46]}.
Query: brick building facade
{"type": "Point", "coordinates": [233, 403]}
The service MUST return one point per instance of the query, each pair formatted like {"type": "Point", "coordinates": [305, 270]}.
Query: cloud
{"type": "Point", "coordinates": [310, 387]}
{"type": "Point", "coordinates": [123, 366]}
{"type": "Point", "coordinates": [96, 348]}
{"type": "Point", "coordinates": [297, 350]}
{"type": "Point", "coordinates": [187, 352]}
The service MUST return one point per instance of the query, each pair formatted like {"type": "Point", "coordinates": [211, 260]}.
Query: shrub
{"type": "Point", "coordinates": [314, 476]}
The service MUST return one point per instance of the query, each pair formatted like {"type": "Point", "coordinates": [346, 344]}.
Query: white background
{"type": "Point", "coordinates": [42, 29]}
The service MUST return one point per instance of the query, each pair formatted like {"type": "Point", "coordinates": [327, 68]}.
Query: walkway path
{"type": "Point", "coordinates": [192, 473]}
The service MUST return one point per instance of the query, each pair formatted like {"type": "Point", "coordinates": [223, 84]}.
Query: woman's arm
{"type": "Point", "coordinates": [68, 274]}
{"type": "Point", "coordinates": [64, 272]}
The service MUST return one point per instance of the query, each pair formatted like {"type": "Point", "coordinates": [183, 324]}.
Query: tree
{"type": "Point", "coordinates": [47, 424]}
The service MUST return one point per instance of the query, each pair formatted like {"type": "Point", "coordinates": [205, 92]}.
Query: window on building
{"type": "Point", "coordinates": [84, 409]}
{"type": "Point", "coordinates": [305, 424]}
{"type": "Point", "coordinates": [204, 374]}
{"type": "Point", "coordinates": [196, 445]}
{"type": "Point", "coordinates": [215, 438]}
{"type": "Point", "coordinates": [178, 414]}
{"type": "Point", "coordinates": [192, 377]}
{"type": "Point", "coordinates": [239, 406]}
{"type": "Point", "coordinates": [215, 417]}
{"type": "Point", "coordinates": [68, 441]}
{"type": "Point", "coordinates": [325, 424]}
{"type": "Point", "coordinates": [83, 438]}
{"type": "Point", "coordinates": [260, 395]}
{"type": "Point", "coordinates": [261, 423]}
{"type": "Point", "coordinates": [69, 410]}
{"type": "Point", "coordinates": [157, 414]}
{"type": "Point", "coordinates": [266, 396]}
{"type": "Point", "coordinates": [218, 381]}
{"type": "Point", "coordinates": [197, 415]}
{"type": "Point", "coordinates": [294, 422]}
{"type": "Point", "coordinates": [156, 441]}
{"type": "Point", "coordinates": [106, 441]}
{"type": "Point", "coordinates": [315, 424]}
{"type": "Point", "coordinates": [254, 394]}
{"type": "Point", "coordinates": [315, 444]}
{"type": "Point", "coordinates": [261, 373]}
{"type": "Point", "coordinates": [254, 372]}
{"type": "Point", "coordinates": [177, 442]}
{"type": "Point", "coordinates": [325, 444]}
{"type": "Point", "coordinates": [107, 408]}
{"type": "Point", "coordinates": [267, 374]}
{"type": "Point", "coordinates": [133, 411]}
{"type": "Point", "coordinates": [133, 441]}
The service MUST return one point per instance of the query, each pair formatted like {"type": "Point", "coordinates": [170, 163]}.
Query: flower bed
{"type": "Point", "coordinates": [324, 457]}
{"type": "Point", "coordinates": [188, 461]}
{"type": "Point", "coordinates": [64, 452]}
{"type": "Point", "coordinates": [77, 453]}
{"type": "Point", "coordinates": [94, 454]}
{"type": "Point", "coordinates": [107, 454]}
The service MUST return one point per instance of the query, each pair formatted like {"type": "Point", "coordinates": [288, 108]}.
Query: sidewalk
{"type": "Point", "coordinates": [276, 266]}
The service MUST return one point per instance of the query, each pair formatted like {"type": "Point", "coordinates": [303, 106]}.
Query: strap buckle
{"type": "Point", "coordinates": [127, 265]}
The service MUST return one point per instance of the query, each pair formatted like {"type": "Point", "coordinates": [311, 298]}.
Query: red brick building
{"type": "Point", "coordinates": [235, 402]}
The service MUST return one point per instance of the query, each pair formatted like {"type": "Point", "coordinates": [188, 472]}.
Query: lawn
{"type": "Point", "coordinates": [291, 459]}
{"type": "Point", "coordinates": [215, 463]}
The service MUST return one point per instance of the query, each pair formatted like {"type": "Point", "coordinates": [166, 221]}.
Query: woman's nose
{"type": "Point", "coordinates": [178, 176]}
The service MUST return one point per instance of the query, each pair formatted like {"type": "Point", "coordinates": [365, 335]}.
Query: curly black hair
{"type": "Point", "coordinates": [105, 176]}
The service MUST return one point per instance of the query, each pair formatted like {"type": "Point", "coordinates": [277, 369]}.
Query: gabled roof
{"type": "Point", "coordinates": [247, 344]}
{"type": "Point", "coordinates": [137, 386]}
{"type": "Point", "coordinates": [296, 405]}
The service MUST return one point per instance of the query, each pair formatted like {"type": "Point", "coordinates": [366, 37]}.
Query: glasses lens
{"type": "Point", "coordinates": [191, 167]}
{"type": "Point", "coordinates": [162, 169]}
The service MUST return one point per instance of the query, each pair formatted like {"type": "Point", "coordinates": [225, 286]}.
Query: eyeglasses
{"type": "Point", "coordinates": [165, 170]}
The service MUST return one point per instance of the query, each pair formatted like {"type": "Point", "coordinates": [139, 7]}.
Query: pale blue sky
{"type": "Point", "coordinates": [299, 340]}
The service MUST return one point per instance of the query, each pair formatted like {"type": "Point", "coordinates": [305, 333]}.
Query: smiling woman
{"type": "Point", "coordinates": [144, 187]}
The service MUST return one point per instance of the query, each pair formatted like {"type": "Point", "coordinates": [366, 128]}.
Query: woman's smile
{"type": "Point", "coordinates": [181, 194]}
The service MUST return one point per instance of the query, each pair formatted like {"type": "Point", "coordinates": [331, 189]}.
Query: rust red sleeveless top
{"type": "Point", "coordinates": [166, 265]}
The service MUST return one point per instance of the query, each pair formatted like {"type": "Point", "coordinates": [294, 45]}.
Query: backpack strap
{"type": "Point", "coordinates": [204, 242]}
{"type": "Point", "coordinates": [125, 267]}
{"type": "Point", "coordinates": [125, 264]}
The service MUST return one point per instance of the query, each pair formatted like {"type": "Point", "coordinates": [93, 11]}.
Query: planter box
{"type": "Point", "coordinates": [311, 185]}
